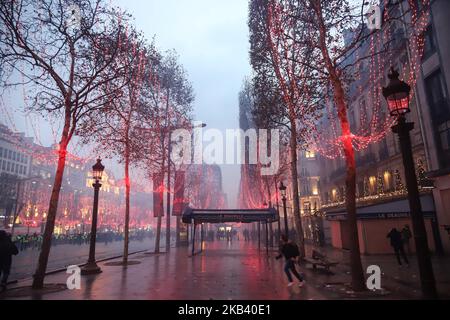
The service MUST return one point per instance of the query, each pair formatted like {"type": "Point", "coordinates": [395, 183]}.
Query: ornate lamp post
{"type": "Point", "coordinates": [397, 96]}
{"type": "Point", "coordinates": [91, 266]}
{"type": "Point", "coordinates": [282, 188]}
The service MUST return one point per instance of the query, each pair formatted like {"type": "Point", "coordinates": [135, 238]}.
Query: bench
{"type": "Point", "coordinates": [319, 259]}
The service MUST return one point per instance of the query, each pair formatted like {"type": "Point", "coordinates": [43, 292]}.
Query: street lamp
{"type": "Point", "coordinates": [282, 188]}
{"type": "Point", "coordinates": [397, 96]}
{"type": "Point", "coordinates": [178, 218]}
{"type": "Point", "coordinates": [91, 266]}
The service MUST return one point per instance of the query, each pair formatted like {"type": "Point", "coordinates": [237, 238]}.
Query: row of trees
{"type": "Point", "coordinates": [84, 64]}
{"type": "Point", "coordinates": [305, 56]}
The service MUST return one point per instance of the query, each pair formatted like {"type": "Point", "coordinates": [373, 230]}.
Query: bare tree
{"type": "Point", "coordinates": [66, 53]}
{"type": "Point", "coordinates": [333, 32]}
{"type": "Point", "coordinates": [117, 130]}
{"type": "Point", "coordinates": [293, 99]}
{"type": "Point", "coordinates": [169, 108]}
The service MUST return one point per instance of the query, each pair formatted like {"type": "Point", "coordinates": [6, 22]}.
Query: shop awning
{"type": "Point", "coordinates": [398, 208]}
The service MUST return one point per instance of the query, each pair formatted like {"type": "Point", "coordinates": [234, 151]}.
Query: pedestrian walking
{"type": "Point", "coordinates": [397, 243]}
{"type": "Point", "coordinates": [406, 237]}
{"type": "Point", "coordinates": [291, 253]}
{"type": "Point", "coordinates": [7, 249]}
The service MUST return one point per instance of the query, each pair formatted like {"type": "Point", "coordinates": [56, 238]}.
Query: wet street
{"type": "Point", "coordinates": [232, 271]}
{"type": "Point", "coordinates": [63, 255]}
{"type": "Point", "coordinates": [223, 271]}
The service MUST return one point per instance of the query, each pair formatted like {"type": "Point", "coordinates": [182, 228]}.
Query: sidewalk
{"type": "Point", "coordinates": [223, 271]}
{"type": "Point", "coordinates": [400, 281]}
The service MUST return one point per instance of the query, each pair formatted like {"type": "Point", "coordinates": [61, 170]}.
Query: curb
{"type": "Point", "coordinates": [79, 265]}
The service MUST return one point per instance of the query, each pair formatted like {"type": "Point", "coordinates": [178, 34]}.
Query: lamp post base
{"type": "Point", "coordinates": [90, 268]}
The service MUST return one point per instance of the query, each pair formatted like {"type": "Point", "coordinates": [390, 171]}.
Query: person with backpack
{"type": "Point", "coordinates": [291, 253]}
{"type": "Point", "coordinates": [7, 249]}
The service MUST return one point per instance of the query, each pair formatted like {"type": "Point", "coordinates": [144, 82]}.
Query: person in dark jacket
{"type": "Point", "coordinates": [291, 253]}
{"type": "Point", "coordinates": [7, 249]}
{"type": "Point", "coordinates": [397, 244]}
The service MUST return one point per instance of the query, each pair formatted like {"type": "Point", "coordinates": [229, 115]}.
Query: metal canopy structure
{"type": "Point", "coordinates": [191, 215]}
{"type": "Point", "coordinates": [200, 216]}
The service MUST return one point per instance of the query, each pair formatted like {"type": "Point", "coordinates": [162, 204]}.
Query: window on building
{"type": "Point", "coordinates": [444, 135]}
{"type": "Point", "coordinates": [436, 93]}
{"type": "Point", "coordinates": [8, 166]}
{"type": "Point", "coordinates": [9, 154]}
{"type": "Point", "coordinates": [387, 176]}
{"type": "Point", "coordinates": [440, 112]}
{"type": "Point", "coordinates": [361, 188]}
{"type": "Point", "coordinates": [4, 165]}
{"type": "Point", "coordinates": [372, 185]}
{"type": "Point", "coordinates": [1, 152]}
{"type": "Point", "coordinates": [310, 154]}
{"type": "Point", "coordinates": [430, 42]}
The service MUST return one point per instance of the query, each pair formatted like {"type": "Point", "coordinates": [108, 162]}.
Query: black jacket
{"type": "Point", "coordinates": [396, 238]}
{"type": "Point", "coordinates": [7, 249]}
{"type": "Point", "coordinates": [289, 250]}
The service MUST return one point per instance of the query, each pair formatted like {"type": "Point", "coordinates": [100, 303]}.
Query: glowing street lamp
{"type": "Point", "coordinates": [282, 189]}
{"type": "Point", "coordinates": [91, 266]}
{"type": "Point", "coordinates": [397, 97]}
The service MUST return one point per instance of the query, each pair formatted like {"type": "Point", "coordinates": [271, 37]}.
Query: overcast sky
{"type": "Point", "coordinates": [211, 38]}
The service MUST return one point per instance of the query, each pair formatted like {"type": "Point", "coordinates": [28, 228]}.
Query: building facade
{"type": "Point", "coordinates": [432, 92]}
{"type": "Point", "coordinates": [380, 190]}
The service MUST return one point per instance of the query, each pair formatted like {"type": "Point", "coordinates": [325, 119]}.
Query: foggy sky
{"type": "Point", "coordinates": [211, 38]}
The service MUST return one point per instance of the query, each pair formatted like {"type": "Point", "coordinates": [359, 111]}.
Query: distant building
{"type": "Point", "coordinates": [15, 166]}
{"type": "Point", "coordinates": [15, 155]}
{"type": "Point", "coordinates": [316, 228]}
{"type": "Point", "coordinates": [204, 187]}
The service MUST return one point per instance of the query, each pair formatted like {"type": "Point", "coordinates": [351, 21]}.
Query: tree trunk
{"type": "Point", "coordinates": [168, 199]}
{"type": "Point", "coordinates": [127, 205]}
{"type": "Point", "coordinates": [294, 177]}
{"type": "Point", "coordinates": [270, 206]}
{"type": "Point", "coordinates": [158, 234]}
{"type": "Point", "coordinates": [168, 175]}
{"type": "Point", "coordinates": [38, 278]}
{"type": "Point", "coordinates": [358, 283]}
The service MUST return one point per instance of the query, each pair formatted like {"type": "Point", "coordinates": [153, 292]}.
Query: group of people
{"type": "Point", "coordinates": [400, 240]}
{"type": "Point", "coordinates": [34, 241]}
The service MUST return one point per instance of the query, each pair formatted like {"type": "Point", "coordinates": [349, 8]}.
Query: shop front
{"type": "Point", "coordinates": [376, 220]}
